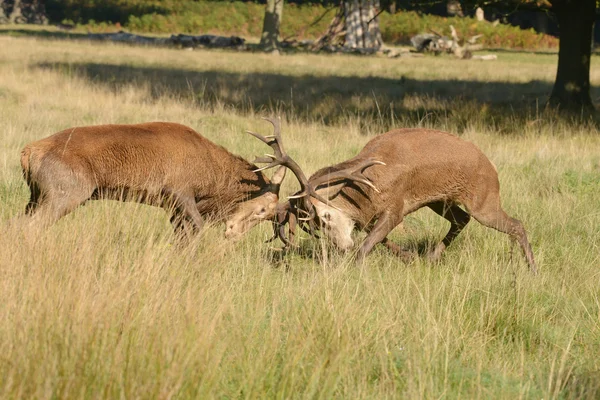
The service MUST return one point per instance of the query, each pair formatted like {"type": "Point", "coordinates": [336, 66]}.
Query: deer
{"type": "Point", "coordinates": [395, 174]}
{"type": "Point", "coordinates": [161, 164]}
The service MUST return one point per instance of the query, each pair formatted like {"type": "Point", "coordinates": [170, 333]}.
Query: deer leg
{"type": "Point", "coordinates": [34, 199]}
{"type": "Point", "coordinates": [492, 215]}
{"type": "Point", "coordinates": [397, 250]}
{"type": "Point", "coordinates": [458, 220]}
{"type": "Point", "coordinates": [185, 216]}
{"type": "Point", "coordinates": [394, 248]}
{"type": "Point", "coordinates": [182, 226]}
{"type": "Point", "coordinates": [378, 234]}
{"type": "Point", "coordinates": [50, 202]}
{"type": "Point", "coordinates": [51, 207]}
{"type": "Point", "coordinates": [56, 191]}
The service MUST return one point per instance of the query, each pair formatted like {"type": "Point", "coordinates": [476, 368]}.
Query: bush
{"type": "Point", "coordinates": [299, 21]}
{"type": "Point", "coordinates": [400, 27]}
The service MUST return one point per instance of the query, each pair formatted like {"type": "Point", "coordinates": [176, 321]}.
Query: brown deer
{"type": "Point", "coordinates": [162, 164]}
{"type": "Point", "coordinates": [395, 174]}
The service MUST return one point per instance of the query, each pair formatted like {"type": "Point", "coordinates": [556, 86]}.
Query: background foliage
{"type": "Point", "coordinates": [245, 19]}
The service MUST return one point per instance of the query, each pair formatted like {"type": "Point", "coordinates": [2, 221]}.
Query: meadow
{"type": "Point", "coordinates": [104, 304]}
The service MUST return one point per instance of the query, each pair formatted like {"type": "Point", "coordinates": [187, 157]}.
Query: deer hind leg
{"type": "Point", "coordinates": [492, 215]}
{"type": "Point", "coordinates": [34, 198]}
{"type": "Point", "coordinates": [458, 220]}
{"type": "Point", "coordinates": [56, 192]}
{"type": "Point", "coordinates": [54, 204]}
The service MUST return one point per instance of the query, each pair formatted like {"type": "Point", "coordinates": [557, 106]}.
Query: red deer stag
{"type": "Point", "coordinates": [162, 164]}
{"type": "Point", "coordinates": [417, 168]}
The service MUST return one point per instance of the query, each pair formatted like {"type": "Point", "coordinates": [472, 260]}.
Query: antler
{"type": "Point", "coordinates": [283, 216]}
{"type": "Point", "coordinates": [281, 158]}
{"type": "Point", "coordinates": [289, 212]}
{"type": "Point", "coordinates": [354, 173]}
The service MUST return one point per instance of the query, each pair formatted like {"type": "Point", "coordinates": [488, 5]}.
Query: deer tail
{"type": "Point", "coordinates": [25, 163]}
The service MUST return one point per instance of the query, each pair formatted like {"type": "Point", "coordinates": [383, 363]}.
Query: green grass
{"type": "Point", "coordinates": [104, 305]}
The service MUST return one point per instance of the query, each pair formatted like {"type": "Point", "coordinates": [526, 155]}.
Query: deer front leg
{"type": "Point", "coordinates": [185, 217]}
{"type": "Point", "coordinates": [384, 225]}
{"type": "Point", "coordinates": [394, 248]}
{"type": "Point", "coordinates": [398, 251]}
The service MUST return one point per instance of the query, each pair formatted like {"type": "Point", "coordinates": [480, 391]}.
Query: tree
{"type": "Point", "coordinates": [15, 15]}
{"type": "Point", "coordinates": [576, 19]}
{"type": "Point", "coordinates": [355, 27]}
{"type": "Point", "coordinates": [273, 13]}
{"type": "Point", "coordinates": [361, 24]}
{"type": "Point", "coordinates": [572, 85]}
{"type": "Point", "coordinates": [3, 18]}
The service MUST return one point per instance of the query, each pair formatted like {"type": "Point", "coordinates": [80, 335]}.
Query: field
{"type": "Point", "coordinates": [104, 304]}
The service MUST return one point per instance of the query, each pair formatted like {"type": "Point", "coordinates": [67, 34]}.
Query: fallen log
{"type": "Point", "coordinates": [185, 41]}
{"type": "Point", "coordinates": [437, 43]}
{"type": "Point", "coordinates": [212, 41]}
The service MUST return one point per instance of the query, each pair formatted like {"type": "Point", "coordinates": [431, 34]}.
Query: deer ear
{"type": "Point", "coordinates": [278, 176]}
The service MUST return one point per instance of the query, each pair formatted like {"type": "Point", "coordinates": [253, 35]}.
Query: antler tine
{"type": "Point", "coordinates": [353, 173]}
{"type": "Point", "coordinates": [306, 193]}
{"type": "Point", "coordinates": [274, 141]}
{"type": "Point", "coordinates": [258, 136]}
{"type": "Point", "coordinates": [276, 122]}
{"type": "Point", "coordinates": [281, 158]}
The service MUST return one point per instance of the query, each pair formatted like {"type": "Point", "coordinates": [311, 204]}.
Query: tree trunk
{"type": "Point", "coordinates": [392, 8]}
{"type": "Point", "coordinates": [3, 18]}
{"type": "Point", "coordinates": [39, 13]}
{"type": "Point", "coordinates": [572, 86]}
{"type": "Point", "coordinates": [15, 13]}
{"type": "Point", "coordinates": [362, 26]}
{"type": "Point", "coordinates": [354, 31]}
{"type": "Point", "coordinates": [270, 33]}
{"type": "Point", "coordinates": [374, 25]}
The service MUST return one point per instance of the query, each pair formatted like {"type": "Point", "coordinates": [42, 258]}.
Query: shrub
{"type": "Point", "coordinates": [299, 21]}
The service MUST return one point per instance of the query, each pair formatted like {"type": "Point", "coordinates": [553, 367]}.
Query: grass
{"type": "Point", "coordinates": [103, 305]}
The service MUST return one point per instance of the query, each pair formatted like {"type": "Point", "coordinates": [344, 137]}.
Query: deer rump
{"type": "Point", "coordinates": [161, 164]}
{"type": "Point", "coordinates": [423, 167]}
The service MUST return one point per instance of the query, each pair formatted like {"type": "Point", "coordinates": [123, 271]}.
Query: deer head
{"type": "Point", "coordinates": [262, 208]}
{"type": "Point", "coordinates": [311, 205]}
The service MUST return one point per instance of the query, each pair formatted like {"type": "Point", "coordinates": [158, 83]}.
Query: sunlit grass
{"type": "Point", "coordinates": [105, 304]}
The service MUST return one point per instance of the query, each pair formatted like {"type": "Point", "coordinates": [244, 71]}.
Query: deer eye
{"type": "Point", "coordinates": [262, 210]}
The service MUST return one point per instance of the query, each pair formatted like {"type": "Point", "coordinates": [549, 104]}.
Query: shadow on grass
{"type": "Point", "coordinates": [45, 34]}
{"type": "Point", "coordinates": [453, 104]}
{"type": "Point", "coordinates": [320, 250]}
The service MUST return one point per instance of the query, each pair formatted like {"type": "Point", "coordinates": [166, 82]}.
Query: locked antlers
{"type": "Point", "coordinates": [300, 202]}
{"type": "Point", "coordinates": [281, 158]}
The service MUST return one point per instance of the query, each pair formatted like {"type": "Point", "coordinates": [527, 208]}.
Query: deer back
{"type": "Point", "coordinates": [149, 158]}
{"type": "Point", "coordinates": [421, 166]}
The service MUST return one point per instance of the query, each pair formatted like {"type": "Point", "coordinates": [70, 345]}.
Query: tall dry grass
{"type": "Point", "coordinates": [104, 305]}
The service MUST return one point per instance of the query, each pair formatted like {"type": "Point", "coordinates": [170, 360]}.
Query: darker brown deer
{"type": "Point", "coordinates": [162, 164]}
{"type": "Point", "coordinates": [395, 174]}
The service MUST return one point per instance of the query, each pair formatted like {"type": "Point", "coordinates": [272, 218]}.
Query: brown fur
{"type": "Point", "coordinates": [424, 168]}
{"type": "Point", "coordinates": [158, 163]}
